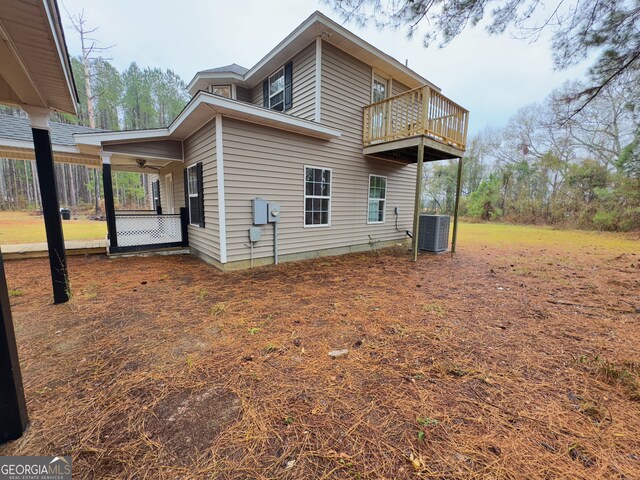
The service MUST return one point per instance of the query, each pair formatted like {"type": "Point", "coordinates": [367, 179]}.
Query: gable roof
{"type": "Point", "coordinates": [317, 25]}
{"type": "Point", "coordinates": [17, 128]}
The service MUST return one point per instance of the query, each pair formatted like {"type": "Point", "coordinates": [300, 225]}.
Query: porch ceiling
{"type": "Point", "coordinates": [36, 71]}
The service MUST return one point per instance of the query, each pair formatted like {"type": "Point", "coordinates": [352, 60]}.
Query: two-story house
{"type": "Point", "coordinates": [326, 128]}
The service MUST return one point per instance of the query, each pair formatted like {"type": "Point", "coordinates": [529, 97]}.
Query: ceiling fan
{"type": "Point", "coordinates": [142, 163]}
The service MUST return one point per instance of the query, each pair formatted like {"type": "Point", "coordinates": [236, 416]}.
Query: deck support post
{"type": "Point", "coordinates": [418, 200]}
{"type": "Point", "coordinates": [39, 118]}
{"type": "Point", "coordinates": [456, 207]}
{"type": "Point", "coordinates": [109, 206]}
{"type": "Point", "coordinates": [13, 407]}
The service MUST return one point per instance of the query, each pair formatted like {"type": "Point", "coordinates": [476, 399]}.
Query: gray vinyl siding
{"type": "Point", "coordinates": [304, 83]}
{"type": "Point", "coordinates": [268, 163]}
{"type": "Point", "coordinates": [304, 71]}
{"type": "Point", "coordinates": [201, 147]}
{"type": "Point", "coordinates": [397, 88]}
{"type": "Point", "coordinates": [243, 94]}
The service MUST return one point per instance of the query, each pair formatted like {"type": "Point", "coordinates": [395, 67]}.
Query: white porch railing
{"type": "Point", "coordinates": [134, 230]}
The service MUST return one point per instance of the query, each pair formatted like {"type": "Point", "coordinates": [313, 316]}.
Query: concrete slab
{"type": "Point", "coordinates": [39, 250]}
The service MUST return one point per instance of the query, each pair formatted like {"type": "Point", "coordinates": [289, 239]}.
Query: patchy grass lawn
{"type": "Point", "coordinates": [515, 359]}
{"type": "Point", "coordinates": [28, 227]}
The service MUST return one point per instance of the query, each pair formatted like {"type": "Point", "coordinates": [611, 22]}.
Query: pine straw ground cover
{"type": "Point", "coordinates": [517, 361]}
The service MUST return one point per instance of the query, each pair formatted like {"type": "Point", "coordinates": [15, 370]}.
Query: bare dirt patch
{"type": "Point", "coordinates": [187, 423]}
{"type": "Point", "coordinates": [513, 359]}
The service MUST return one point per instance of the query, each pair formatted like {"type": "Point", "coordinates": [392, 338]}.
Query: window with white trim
{"type": "Point", "coordinates": [317, 196]}
{"type": "Point", "coordinates": [377, 198]}
{"type": "Point", "coordinates": [221, 90]}
{"type": "Point", "coordinates": [276, 91]}
{"type": "Point", "coordinates": [195, 214]}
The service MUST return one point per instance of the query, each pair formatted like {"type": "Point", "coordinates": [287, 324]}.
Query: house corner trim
{"type": "Point", "coordinates": [318, 79]}
{"type": "Point", "coordinates": [222, 222]}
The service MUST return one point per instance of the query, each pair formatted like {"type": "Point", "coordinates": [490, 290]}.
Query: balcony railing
{"type": "Point", "coordinates": [421, 111]}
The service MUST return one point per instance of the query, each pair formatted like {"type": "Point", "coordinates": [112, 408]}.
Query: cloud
{"type": "Point", "coordinates": [492, 76]}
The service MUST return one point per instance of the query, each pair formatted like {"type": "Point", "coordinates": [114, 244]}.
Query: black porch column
{"type": "Point", "coordinates": [50, 208]}
{"type": "Point", "coordinates": [110, 210]}
{"type": "Point", "coordinates": [13, 408]}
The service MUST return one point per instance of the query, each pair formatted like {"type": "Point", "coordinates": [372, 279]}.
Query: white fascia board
{"type": "Point", "coordinates": [96, 139]}
{"type": "Point", "coordinates": [352, 37]}
{"type": "Point", "coordinates": [29, 146]}
{"type": "Point", "coordinates": [219, 105]}
{"type": "Point", "coordinates": [61, 47]}
{"type": "Point", "coordinates": [324, 21]}
{"type": "Point", "coordinates": [253, 113]}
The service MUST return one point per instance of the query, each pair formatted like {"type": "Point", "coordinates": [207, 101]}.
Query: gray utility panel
{"type": "Point", "coordinates": [260, 213]}
{"type": "Point", "coordinates": [433, 233]}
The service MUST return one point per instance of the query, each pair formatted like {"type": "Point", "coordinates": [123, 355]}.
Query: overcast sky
{"type": "Point", "coordinates": [492, 76]}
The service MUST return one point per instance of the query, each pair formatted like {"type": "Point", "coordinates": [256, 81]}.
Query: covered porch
{"type": "Point", "coordinates": [159, 227]}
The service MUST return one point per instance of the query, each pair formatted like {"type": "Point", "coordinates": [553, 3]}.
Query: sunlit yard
{"type": "Point", "coordinates": [28, 227]}
{"type": "Point", "coordinates": [500, 234]}
{"type": "Point", "coordinates": [515, 358]}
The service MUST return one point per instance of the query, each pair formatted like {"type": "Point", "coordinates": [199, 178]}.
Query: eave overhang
{"type": "Point", "coordinates": [317, 25]}
{"type": "Point", "coordinates": [202, 109]}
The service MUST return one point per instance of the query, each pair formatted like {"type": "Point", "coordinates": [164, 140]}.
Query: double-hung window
{"type": "Point", "coordinates": [276, 90]}
{"type": "Point", "coordinates": [377, 198]}
{"type": "Point", "coordinates": [194, 195]}
{"type": "Point", "coordinates": [317, 197]}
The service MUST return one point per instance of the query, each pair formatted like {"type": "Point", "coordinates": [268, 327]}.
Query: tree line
{"type": "Point", "coordinates": [135, 98]}
{"type": "Point", "coordinates": [554, 163]}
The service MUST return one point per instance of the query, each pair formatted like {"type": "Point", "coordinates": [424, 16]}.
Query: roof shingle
{"type": "Point", "coordinates": [13, 127]}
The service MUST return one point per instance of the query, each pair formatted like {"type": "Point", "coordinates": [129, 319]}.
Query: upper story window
{"type": "Point", "coordinates": [380, 87]}
{"type": "Point", "coordinates": [277, 89]}
{"type": "Point", "coordinates": [317, 197]}
{"type": "Point", "coordinates": [222, 90]}
{"type": "Point", "coordinates": [377, 198]}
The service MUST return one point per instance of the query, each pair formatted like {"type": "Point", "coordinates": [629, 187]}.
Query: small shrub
{"type": "Point", "coordinates": [18, 292]}
{"type": "Point", "coordinates": [218, 309]}
{"type": "Point", "coordinates": [427, 422]}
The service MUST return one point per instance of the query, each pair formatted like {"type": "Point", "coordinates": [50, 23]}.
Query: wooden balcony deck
{"type": "Point", "coordinates": [393, 127]}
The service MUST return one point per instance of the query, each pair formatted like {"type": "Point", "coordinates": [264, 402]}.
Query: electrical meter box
{"type": "Point", "coordinates": [273, 212]}
{"type": "Point", "coordinates": [259, 207]}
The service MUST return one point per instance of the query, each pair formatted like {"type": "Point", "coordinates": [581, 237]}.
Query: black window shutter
{"type": "Point", "coordinates": [186, 193]}
{"type": "Point", "coordinates": [288, 85]}
{"type": "Point", "coordinates": [200, 193]}
{"type": "Point", "coordinates": [265, 93]}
